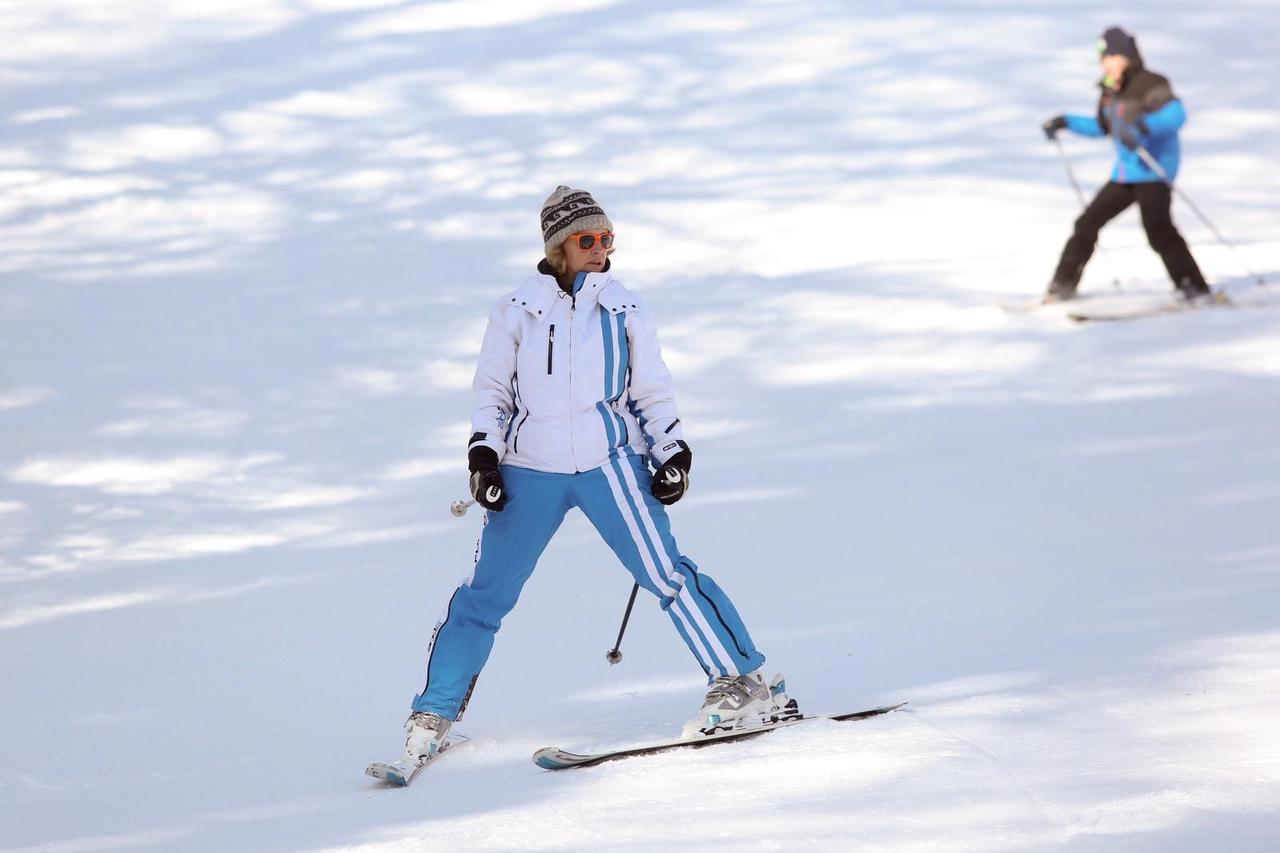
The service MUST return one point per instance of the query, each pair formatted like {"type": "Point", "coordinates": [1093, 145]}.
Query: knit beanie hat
{"type": "Point", "coordinates": [568, 211]}
{"type": "Point", "coordinates": [1117, 41]}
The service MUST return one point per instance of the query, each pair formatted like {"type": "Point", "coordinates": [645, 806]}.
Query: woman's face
{"type": "Point", "coordinates": [579, 259]}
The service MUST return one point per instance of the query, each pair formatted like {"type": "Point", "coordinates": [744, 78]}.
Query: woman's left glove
{"type": "Point", "coordinates": [486, 480]}
{"type": "Point", "coordinates": [672, 480]}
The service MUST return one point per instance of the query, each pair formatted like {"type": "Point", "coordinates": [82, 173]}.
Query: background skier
{"type": "Point", "coordinates": [1138, 109]}
{"type": "Point", "coordinates": [573, 400]}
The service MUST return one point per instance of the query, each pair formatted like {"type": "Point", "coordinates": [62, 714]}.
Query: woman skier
{"type": "Point", "coordinates": [573, 401]}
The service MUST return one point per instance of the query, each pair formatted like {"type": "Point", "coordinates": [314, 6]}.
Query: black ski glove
{"type": "Point", "coordinates": [672, 479]}
{"type": "Point", "coordinates": [486, 480]}
{"type": "Point", "coordinates": [1052, 126]}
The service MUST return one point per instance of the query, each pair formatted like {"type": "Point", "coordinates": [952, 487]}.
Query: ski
{"type": "Point", "coordinates": [1042, 304]}
{"type": "Point", "coordinates": [555, 758]}
{"type": "Point", "coordinates": [1025, 307]}
{"type": "Point", "coordinates": [1039, 305]}
{"type": "Point", "coordinates": [1220, 300]}
{"type": "Point", "coordinates": [400, 774]}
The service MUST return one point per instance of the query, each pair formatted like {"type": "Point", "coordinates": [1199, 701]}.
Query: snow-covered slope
{"type": "Point", "coordinates": [247, 252]}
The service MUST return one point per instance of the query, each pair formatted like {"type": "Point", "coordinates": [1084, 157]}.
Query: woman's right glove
{"type": "Point", "coordinates": [486, 480]}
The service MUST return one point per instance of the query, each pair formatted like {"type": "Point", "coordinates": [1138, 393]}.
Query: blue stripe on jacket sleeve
{"type": "Point", "coordinates": [1084, 125]}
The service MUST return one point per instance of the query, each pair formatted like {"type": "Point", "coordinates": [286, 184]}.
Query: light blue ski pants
{"type": "Point", "coordinates": [615, 498]}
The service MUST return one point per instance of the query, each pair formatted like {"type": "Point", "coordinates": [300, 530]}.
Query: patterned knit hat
{"type": "Point", "coordinates": [567, 211]}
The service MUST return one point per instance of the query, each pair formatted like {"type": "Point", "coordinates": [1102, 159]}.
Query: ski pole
{"type": "Point", "coordinates": [1155, 166]}
{"type": "Point", "coordinates": [1071, 176]}
{"type": "Point", "coordinates": [613, 656]}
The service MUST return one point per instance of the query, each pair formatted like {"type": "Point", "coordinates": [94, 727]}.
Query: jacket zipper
{"type": "Point", "coordinates": [551, 343]}
{"type": "Point", "coordinates": [573, 313]}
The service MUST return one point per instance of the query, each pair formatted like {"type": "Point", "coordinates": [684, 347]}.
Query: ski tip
{"type": "Point", "coordinates": [870, 712]}
{"type": "Point", "coordinates": [888, 709]}
{"type": "Point", "coordinates": [386, 773]}
{"type": "Point", "coordinates": [546, 761]}
{"type": "Point", "coordinates": [554, 758]}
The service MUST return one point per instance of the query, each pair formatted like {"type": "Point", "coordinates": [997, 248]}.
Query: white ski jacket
{"type": "Point", "coordinates": [565, 383]}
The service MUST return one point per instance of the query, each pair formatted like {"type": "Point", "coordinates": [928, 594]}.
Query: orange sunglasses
{"type": "Point", "coordinates": [586, 240]}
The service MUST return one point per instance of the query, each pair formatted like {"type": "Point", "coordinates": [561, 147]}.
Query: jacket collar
{"type": "Point", "coordinates": [537, 293]}
{"type": "Point", "coordinates": [545, 268]}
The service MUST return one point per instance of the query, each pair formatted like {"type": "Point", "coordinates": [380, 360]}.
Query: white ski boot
{"type": "Point", "coordinates": [742, 701]}
{"type": "Point", "coordinates": [426, 738]}
{"type": "Point", "coordinates": [425, 735]}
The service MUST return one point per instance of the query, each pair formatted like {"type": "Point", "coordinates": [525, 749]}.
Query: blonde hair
{"type": "Point", "coordinates": [559, 261]}
{"type": "Point", "coordinates": [556, 258]}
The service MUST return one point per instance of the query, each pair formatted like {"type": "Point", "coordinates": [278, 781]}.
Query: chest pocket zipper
{"type": "Point", "coordinates": [551, 344]}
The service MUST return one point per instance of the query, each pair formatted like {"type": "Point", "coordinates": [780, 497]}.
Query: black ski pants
{"type": "Point", "coordinates": [1154, 201]}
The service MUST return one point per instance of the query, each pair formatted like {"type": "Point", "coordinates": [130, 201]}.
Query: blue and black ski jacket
{"type": "Point", "coordinates": [1142, 110]}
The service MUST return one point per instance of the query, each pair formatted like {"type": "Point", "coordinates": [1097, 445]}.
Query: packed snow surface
{"type": "Point", "coordinates": [246, 255]}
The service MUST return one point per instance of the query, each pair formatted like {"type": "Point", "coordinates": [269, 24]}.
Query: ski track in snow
{"type": "Point", "coordinates": [246, 259]}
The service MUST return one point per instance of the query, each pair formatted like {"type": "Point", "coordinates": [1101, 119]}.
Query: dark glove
{"type": "Point", "coordinates": [486, 480]}
{"type": "Point", "coordinates": [1053, 125]}
{"type": "Point", "coordinates": [672, 479]}
{"type": "Point", "coordinates": [1133, 135]}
